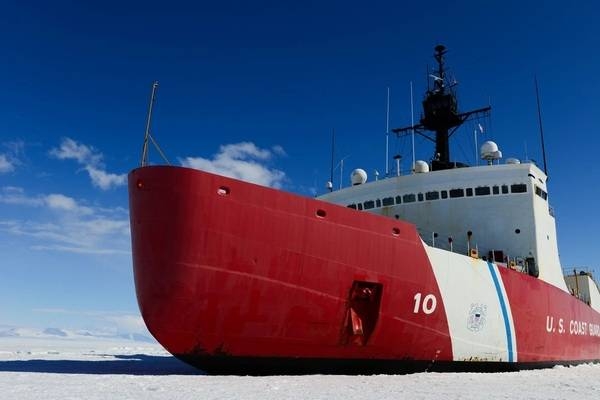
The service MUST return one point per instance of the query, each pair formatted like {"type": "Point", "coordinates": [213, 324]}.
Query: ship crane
{"type": "Point", "coordinates": [441, 115]}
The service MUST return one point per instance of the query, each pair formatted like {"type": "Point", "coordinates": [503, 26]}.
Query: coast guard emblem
{"type": "Point", "coordinates": [476, 320]}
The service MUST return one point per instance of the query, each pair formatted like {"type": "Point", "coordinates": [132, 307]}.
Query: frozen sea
{"type": "Point", "coordinates": [99, 368]}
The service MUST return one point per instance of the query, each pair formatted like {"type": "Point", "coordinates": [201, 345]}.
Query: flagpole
{"type": "Point", "coordinates": [412, 124]}
{"type": "Point", "coordinates": [387, 134]}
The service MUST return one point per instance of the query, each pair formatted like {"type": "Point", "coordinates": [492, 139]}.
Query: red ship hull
{"type": "Point", "coordinates": [238, 278]}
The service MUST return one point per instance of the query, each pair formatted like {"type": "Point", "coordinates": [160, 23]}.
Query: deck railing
{"type": "Point", "coordinates": [468, 247]}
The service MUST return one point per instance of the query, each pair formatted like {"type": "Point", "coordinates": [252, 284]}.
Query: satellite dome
{"type": "Point", "coordinates": [489, 151]}
{"type": "Point", "coordinates": [358, 177]}
{"type": "Point", "coordinates": [488, 147]}
{"type": "Point", "coordinates": [421, 167]}
{"type": "Point", "coordinates": [513, 161]}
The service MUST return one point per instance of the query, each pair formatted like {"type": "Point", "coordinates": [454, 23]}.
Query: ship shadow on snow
{"type": "Point", "coordinates": [134, 364]}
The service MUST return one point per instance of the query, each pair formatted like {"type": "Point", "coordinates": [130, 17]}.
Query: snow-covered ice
{"type": "Point", "coordinates": [99, 368]}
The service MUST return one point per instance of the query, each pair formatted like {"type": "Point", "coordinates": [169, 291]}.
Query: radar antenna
{"type": "Point", "coordinates": [441, 115]}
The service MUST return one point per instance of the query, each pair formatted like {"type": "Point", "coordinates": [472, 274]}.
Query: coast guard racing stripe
{"type": "Point", "coordinates": [506, 314]}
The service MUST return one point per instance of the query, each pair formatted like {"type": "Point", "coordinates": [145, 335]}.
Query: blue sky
{"type": "Point", "coordinates": [258, 85]}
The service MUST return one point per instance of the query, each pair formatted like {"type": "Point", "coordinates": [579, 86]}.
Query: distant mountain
{"type": "Point", "coordinates": [10, 332]}
{"type": "Point", "coordinates": [58, 333]}
{"type": "Point", "coordinates": [136, 337]}
{"type": "Point", "coordinates": [55, 332]}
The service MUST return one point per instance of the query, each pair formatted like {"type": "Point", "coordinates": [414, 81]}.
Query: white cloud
{"type": "Point", "coordinates": [71, 150]}
{"type": "Point", "coordinates": [67, 226]}
{"type": "Point", "coordinates": [11, 159]}
{"type": "Point", "coordinates": [58, 201]}
{"type": "Point", "coordinates": [278, 150]}
{"type": "Point", "coordinates": [243, 161]}
{"type": "Point", "coordinates": [91, 160]}
{"type": "Point", "coordinates": [13, 189]}
{"type": "Point", "coordinates": [79, 250]}
{"type": "Point", "coordinates": [5, 164]}
{"type": "Point", "coordinates": [61, 201]}
{"type": "Point", "coordinates": [105, 180]}
{"type": "Point", "coordinates": [16, 196]}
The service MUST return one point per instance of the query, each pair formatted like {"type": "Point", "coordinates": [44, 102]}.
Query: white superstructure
{"type": "Point", "coordinates": [498, 212]}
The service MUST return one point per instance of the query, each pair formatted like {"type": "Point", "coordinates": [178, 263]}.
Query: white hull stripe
{"type": "Point", "coordinates": [505, 316]}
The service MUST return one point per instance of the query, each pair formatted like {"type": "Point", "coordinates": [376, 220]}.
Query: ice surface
{"type": "Point", "coordinates": [56, 367]}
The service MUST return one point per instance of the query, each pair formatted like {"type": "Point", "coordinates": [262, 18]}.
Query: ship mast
{"type": "Point", "coordinates": [144, 161]}
{"type": "Point", "coordinates": [148, 136]}
{"type": "Point", "coordinates": [441, 115]}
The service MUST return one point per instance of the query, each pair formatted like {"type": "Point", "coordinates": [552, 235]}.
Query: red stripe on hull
{"type": "Point", "coordinates": [228, 268]}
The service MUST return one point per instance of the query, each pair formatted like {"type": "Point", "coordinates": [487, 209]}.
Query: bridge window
{"type": "Point", "coordinates": [398, 200]}
{"type": "Point", "coordinates": [504, 189]}
{"type": "Point", "coordinates": [420, 196]}
{"type": "Point", "coordinates": [359, 205]}
{"type": "Point", "coordinates": [377, 203]}
{"type": "Point", "coordinates": [409, 198]}
{"type": "Point", "coordinates": [518, 188]}
{"type": "Point", "coordinates": [469, 192]}
{"type": "Point", "coordinates": [482, 191]}
{"type": "Point", "coordinates": [432, 195]}
{"type": "Point", "coordinates": [369, 204]}
{"type": "Point", "coordinates": [353, 206]}
{"type": "Point", "coordinates": [444, 194]}
{"type": "Point", "coordinates": [540, 192]}
{"type": "Point", "coordinates": [388, 201]}
{"type": "Point", "coordinates": [495, 189]}
{"type": "Point", "coordinates": [454, 193]}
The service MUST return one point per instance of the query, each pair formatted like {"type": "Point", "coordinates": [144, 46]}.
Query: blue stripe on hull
{"type": "Point", "coordinates": [504, 311]}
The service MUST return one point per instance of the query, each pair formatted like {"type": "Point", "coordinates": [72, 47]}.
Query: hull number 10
{"type": "Point", "coordinates": [427, 306]}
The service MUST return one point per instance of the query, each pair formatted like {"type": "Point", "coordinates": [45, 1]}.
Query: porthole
{"type": "Point", "coordinates": [395, 231]}
{"type": "Point", "coordinates": [321, 213]}
{"type": "Point", "coordinates": [517, 231]}
{"type": "Point", "coordinates": [223, 191]}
